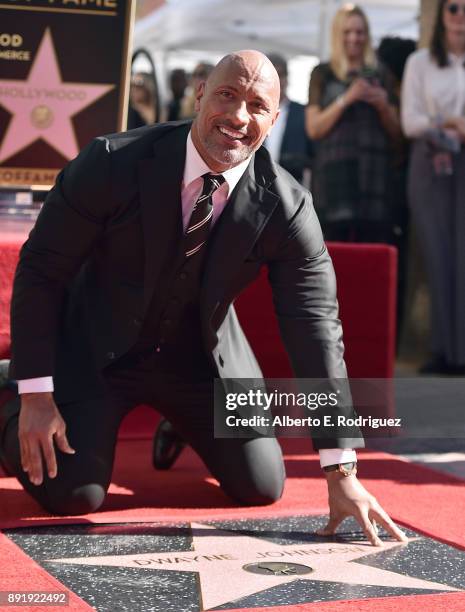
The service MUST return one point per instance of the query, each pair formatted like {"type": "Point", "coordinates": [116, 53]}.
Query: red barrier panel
{"type": "Point", "coordinates": [366, 281]}
{"type": "Point", "coordinates": [366, 278]}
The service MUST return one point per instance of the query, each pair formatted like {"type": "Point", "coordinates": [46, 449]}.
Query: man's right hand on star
{"type": "Point", "coordinates": [348, 497]}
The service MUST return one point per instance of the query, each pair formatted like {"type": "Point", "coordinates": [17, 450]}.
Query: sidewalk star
{"type": "Point", "coordinates": [219, 557]}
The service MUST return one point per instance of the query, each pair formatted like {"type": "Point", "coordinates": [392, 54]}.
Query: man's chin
{"type": "Point", "coordinates": [231, 156]}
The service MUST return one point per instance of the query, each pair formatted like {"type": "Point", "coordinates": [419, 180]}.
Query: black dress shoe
{"type": "Point", "coordinates": [5, 380]}
{"type": "Point", "coordinates": [7, 393]}
{"type": "Point", "coordinates": [167, 446]}
{"type": "Point", "coordinates": [439, 365]}
{"type": "Point", "coordinates": [455, 370]}
{"type": "Point", "coordinates": [436, 365]}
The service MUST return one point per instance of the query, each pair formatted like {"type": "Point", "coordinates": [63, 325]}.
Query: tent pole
{"type": "Point", "coordinates": [327, 10]}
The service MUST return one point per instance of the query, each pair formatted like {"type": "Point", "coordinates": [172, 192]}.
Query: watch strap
{"type": "Point", "coordinates": [347, 469]}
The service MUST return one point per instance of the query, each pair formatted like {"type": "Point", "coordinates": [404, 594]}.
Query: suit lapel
{"type": "Point", "coordinates": [246, 213]}
{"type": "Point", "coordinates": [160, 180]}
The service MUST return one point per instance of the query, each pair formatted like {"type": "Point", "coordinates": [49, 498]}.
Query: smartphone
{"type": "Point", "coordinates": [370, 74]}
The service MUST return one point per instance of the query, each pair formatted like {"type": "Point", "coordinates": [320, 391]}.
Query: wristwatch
{"type": "Point", "coordinates": [346, 469]}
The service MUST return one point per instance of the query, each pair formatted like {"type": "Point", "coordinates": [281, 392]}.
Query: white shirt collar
{"type": "Point", "coordinates": [195, 167]}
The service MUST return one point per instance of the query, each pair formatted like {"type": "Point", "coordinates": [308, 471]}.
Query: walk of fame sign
{"type": "Point", "coordinates": [64, 69]}
{"type": "Point", "coordinates": [236, 564]}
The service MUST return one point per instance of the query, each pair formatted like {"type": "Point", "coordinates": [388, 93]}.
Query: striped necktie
{"type": "Point", "coordinates": [202, 213]}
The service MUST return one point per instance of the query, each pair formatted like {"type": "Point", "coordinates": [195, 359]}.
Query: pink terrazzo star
{"type": "Point", "coordinates": [219, 556]}
{"type": "Point", "coordinates": [43, 105]}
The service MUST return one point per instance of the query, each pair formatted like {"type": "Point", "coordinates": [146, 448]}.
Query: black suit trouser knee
{"type": "Point", "coordinates": [83, 478]}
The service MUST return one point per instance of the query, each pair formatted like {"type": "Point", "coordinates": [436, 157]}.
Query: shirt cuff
{"type": "Point", "coordinates": [331, 456]}
{"type": "Point", "coordinates": [43, 384]}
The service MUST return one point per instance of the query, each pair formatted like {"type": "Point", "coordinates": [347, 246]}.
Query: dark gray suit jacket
{"type": "Point", "coordinates": [89, 269]}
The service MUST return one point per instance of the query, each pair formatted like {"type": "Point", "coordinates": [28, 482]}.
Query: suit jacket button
{"type": "Point", "coordinates": [111, 355]}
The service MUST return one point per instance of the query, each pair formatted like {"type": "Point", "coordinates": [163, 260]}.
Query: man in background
{"type": "Point", "coordinates": [178, 85]}
{"type": "Point", "coordinates": [288, 142]}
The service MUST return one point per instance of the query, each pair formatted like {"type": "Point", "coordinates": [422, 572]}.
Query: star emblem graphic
{"type": "Point", "coordinates": [43, 105]}
{"type": "Point", "coordinates": [219, 557]}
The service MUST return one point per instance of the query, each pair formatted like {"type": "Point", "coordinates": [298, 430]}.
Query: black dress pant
{"type": "Point", "coordinates": [250, 471]}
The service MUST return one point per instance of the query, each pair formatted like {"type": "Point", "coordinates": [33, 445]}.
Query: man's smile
{"type": "Point", "coordinates": [231, 134]}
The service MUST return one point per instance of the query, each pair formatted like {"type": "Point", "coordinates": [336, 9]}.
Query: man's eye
{"type": "Point", "coordinates": [226, 94]}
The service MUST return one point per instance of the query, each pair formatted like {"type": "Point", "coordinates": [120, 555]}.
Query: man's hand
{"type": "Point", "coordinates": [348, 497]}
{"type": "Point", "coordinates": [40, 423]}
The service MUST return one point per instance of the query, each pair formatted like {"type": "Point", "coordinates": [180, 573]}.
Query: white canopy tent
{"type": "Point", "coordinates": [207, 29]}
{"type": "Point", "coordinates": [290, 27]}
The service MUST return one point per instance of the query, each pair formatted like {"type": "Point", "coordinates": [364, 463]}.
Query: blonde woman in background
{"type": "Point", "coordinates": [433, 115]}
{"type": "Point", "coordinates": [353, 120]}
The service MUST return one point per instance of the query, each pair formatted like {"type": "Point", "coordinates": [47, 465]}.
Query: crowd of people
{"type": "Point", "coordinates": [373, 144]}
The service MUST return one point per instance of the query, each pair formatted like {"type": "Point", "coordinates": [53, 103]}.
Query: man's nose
{"type": "Point", "coordinates": [240, 114]}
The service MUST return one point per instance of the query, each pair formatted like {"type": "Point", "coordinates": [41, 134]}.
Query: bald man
{"type": "Point", "coordinates": [124, 290]}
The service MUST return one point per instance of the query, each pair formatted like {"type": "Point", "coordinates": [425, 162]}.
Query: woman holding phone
{"type": "Point", "coordinates": [353, 120]}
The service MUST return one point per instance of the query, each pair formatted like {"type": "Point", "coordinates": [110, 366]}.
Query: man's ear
{"type": "Point", "coordinates": [274, 121]}
{"type": "Point", "coordinates": [199, 95]}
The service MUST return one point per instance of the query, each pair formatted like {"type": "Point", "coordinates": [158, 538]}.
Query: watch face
{"type": "Point", "coordinates": [348, 468]}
